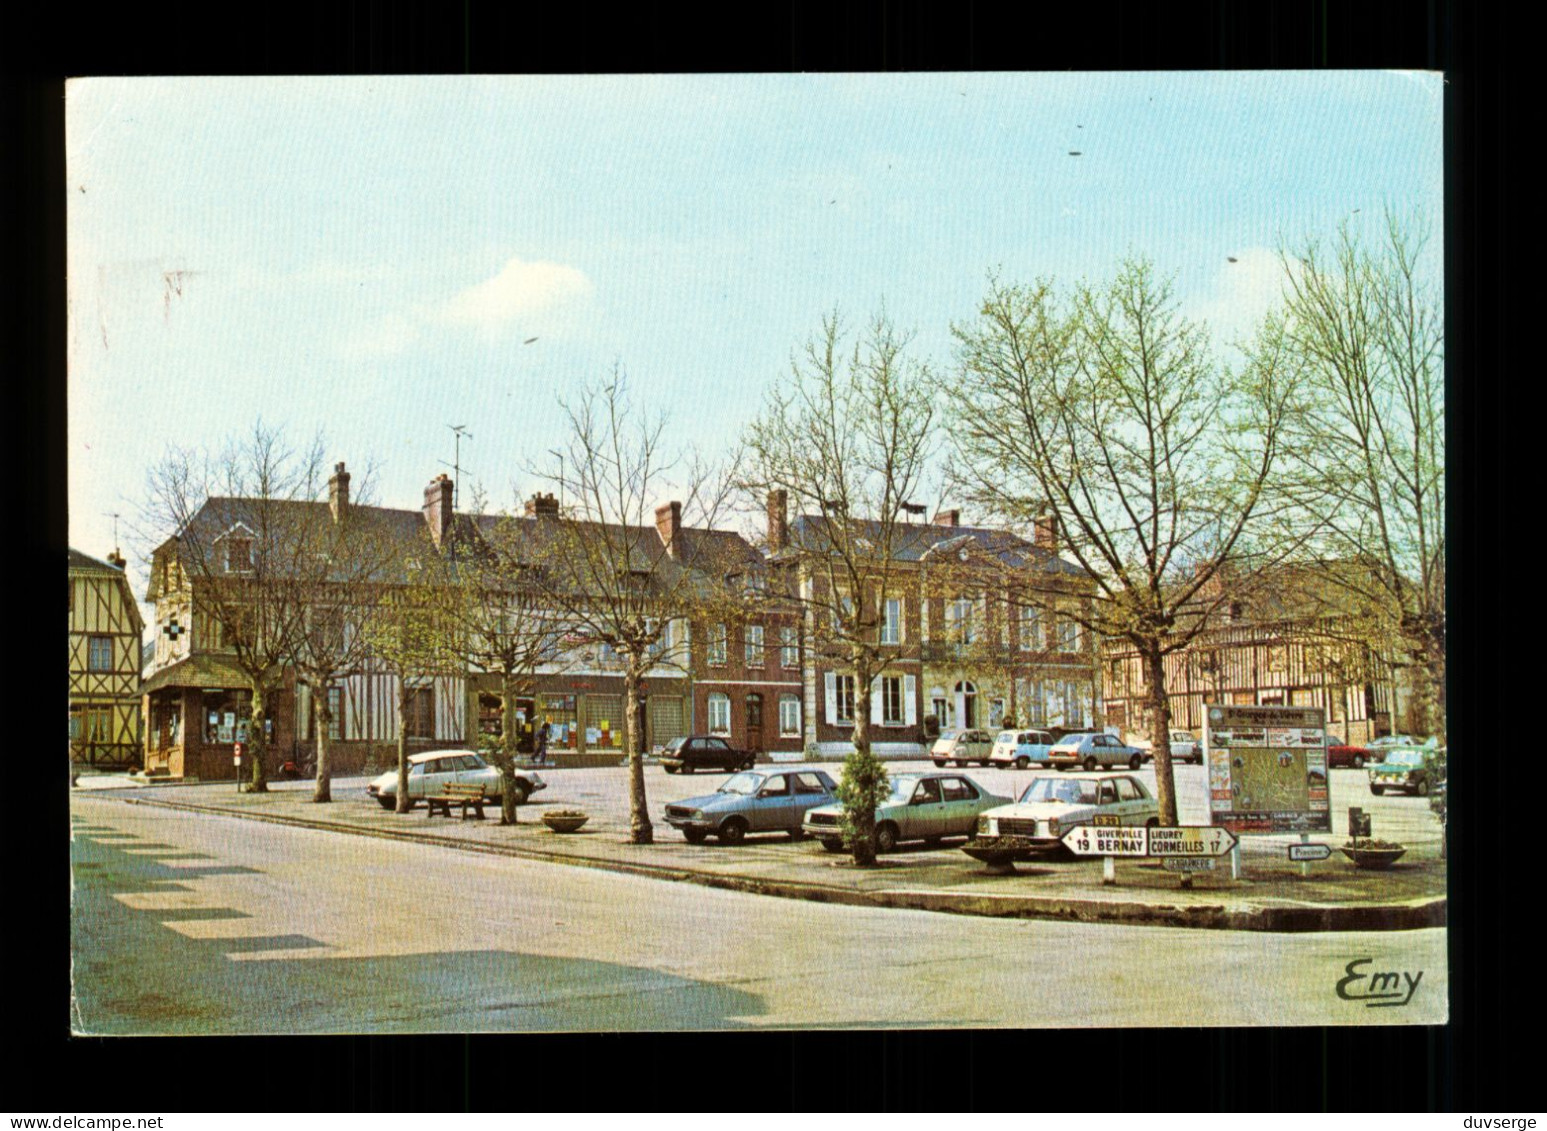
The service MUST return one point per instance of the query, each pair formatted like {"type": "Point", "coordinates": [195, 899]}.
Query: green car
{"type": "Point", "coordinates": [1405, 770]}
{"type": "Point", "coordinates": [922, 807]}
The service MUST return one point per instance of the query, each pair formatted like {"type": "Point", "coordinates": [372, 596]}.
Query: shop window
{"type": "Point", "coordinates": [226, 715]}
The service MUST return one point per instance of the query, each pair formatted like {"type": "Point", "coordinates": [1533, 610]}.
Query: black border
{"type": "Point", "coordinates": [1473, 1061]}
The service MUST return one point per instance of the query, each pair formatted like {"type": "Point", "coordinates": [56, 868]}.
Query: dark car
{"type": "Point", "coordinates": [704, 752]}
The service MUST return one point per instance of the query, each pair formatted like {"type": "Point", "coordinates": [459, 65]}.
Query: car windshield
{"type": "Point", "coordinates": [902, 787]}
{"type": "Point", "coordinates": [1072, 739]}
{"type": "Point", "coordinates": [1405, 758]}
{"type": "Point", "coordinates": [675, 744]}
{"type": "Point", "coordinates": [745, 784]}
{"type": "Point", "coordinates": [1068, 791]}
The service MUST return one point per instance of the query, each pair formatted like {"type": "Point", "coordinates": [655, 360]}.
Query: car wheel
{"type": "Point", "coordinates": [939, 763]}
{"type": "Point", "coordinates": [670, 769]}
{"type": "Point", "coordinates": [1022, 762]}
{"type": "Point", "coordinates": [832, 844]}
{"type": "Point", "coordinates": [1135, 762]}
{"type": "Point", "coordinates": [694, 836]}
{"type": "Point", "coordinates": [1422, 789]}
{"type": "Point", "coordinates": [886, 836]}
{"type": "Point", "coordinates": [519, 793]}
{"type": "Point", "coordinates": [1377, 790]}
{"type": "Point", "coordinates": [984, 763]}
{"type": "Point", "coordinates": [684, 769]}
{"type": "Point", "coordinates": [1090, 761]}
{"type": "Point", "coordinates": [733, 831]}
{"type": "Point", "coordinates": [1152, 823]}
{"type": "Point", "coordinates": [1358, 761]}
{"type": "Point", "coordinates": [797, 833]}
{"type": "Point", "coordinates": [749, 762]}
{"type": "Point", "coordinates": [388, 803]}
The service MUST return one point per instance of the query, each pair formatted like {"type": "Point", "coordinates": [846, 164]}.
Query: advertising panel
{"type": "Point", "coordinates": [1267, 768]}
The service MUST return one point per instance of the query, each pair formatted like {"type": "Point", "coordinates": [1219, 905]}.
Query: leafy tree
{"type": "Point", "coordinates": [1107, 415]}
{"type": "Point", "coordinates": [862, 788]}
{"type": "Point", "coordinates": [1365, 329]}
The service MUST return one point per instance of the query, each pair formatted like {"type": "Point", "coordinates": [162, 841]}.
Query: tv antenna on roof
{"type": "Point", "coordinates": [115, 516]}
{"type": "Point", "coordinates": [456, 464]}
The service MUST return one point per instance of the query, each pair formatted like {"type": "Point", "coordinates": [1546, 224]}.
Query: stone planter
{"type": "Point", "coordinates": [565, 822]}
{"type": "Point", "coordinates": [1373, 858]}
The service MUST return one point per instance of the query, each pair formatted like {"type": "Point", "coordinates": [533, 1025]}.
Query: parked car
{"type": "Point", "coordinates": [921, 807]}
{"type": "Point", "coordinates": [692, 752]}
{"type": "Point", "coordinates": [1020, 748]}
{"type": "Point", "coordinates": [432, 771]}
{"type": "Point", "coordinates": [753, 801]}
{"type": "Point", "coordinates": [959, 747]}
{"type": "Point", "coordinates": [1184, 747]}
{"type": "Point", "coordinates": [1051, 805]}
{"type": "Point", "coordinates": [1094, 749]}
{"type": "Point", "coordinates": [1406, 770]}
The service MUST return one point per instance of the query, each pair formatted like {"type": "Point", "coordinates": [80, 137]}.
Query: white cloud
{"type": "Point", "coordinates": [521, 291]}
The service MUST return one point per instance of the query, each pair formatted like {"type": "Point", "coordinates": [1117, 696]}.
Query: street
{"type": "Point", "coordinates": [193, 923]}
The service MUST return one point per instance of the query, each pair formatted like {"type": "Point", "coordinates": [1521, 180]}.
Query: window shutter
{"type": "Point", "coordinates": [909, 707]}
{"type": "Point", "coordinates": [875, 701]}
{"type": "Point", "coordinates": [830, 686]}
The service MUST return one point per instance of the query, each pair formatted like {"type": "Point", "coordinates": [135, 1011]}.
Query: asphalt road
{"type": "Point", "coordinates": [186, 923]}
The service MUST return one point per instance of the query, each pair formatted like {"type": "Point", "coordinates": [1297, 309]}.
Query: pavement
{"type": "Point", "coordinates": [1271, 895]}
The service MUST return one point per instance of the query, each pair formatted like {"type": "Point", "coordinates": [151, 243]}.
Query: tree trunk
{"type": "Point", "coordinates": [324, 717]}
{"type": "Point", "coordinates": [640, 829]}
{"type": "Point", "coordinates": [402, 747]}
{"type": "Point", "coordinates": [508, 740]}
{"type": "Point", "coordinates": [257, 741]}
{"type": "Point", "coordinates": [1160, 729]}
{"type": "Point", "coordinates": [864, 846]}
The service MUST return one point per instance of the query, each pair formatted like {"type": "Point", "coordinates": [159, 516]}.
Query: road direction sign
{"type": "Point", "coordinates": [1088, 840]}
{"type": "Point", "coordinates": [1309, 851]}
{"type": "Point", "coordinates": [1190, 840]}
{"type": "Point", "coordinates": [1188, 863]}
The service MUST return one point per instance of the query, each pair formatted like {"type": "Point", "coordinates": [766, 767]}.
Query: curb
{"type": "Point", "coordinates": [1410, 916]}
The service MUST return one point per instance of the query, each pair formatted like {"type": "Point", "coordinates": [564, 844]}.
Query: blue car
{"type": "Point", "coordinates": [1021, 749]}
{"type": "Point", "coordinates": [754, 801]}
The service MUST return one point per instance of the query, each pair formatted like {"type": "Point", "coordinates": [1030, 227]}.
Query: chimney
{"type": "Point", "coordinates": [668, 524]}
{"type": "Point", "coordinates": [116, 560]}
{"type": "Point", "coordinates": [948, 518]}
{"type": "Point", "coordinates": [1047, 532]}
{"type": "Point", "coordinates": [540, 504]}
{"type": "Point", "coordinates": [778, 521]}
{"type": "Point", "coordinates": [437, 507]}
{"type": "Point", "coordinates": [338, 493]}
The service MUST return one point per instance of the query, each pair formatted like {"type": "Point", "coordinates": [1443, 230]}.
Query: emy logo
{"type": "Point", "coordinates": [1387, 987]}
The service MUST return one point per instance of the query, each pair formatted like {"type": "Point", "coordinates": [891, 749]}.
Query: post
{"type": "Point", "coordinates": [236, 758]}
{"type": "Point", "coordinates": [1108, 870]}
{"type": "Point", "coordinates": [1305, 865]}
{"type": "Point", "coordinates": [1235, 861]}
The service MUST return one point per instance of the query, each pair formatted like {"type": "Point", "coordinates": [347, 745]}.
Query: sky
{"type": "Point", "coordinates": [383, 258]}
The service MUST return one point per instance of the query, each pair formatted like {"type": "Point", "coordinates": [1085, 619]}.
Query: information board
{"type": "Point", "coordinates": [1267, 768]}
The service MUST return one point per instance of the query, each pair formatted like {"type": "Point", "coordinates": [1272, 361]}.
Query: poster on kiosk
{"type": "Point", "coordinates": [1267, 768]}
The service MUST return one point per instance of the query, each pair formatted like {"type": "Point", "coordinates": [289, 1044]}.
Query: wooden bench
{"type": "Point", "coordinates": [455, 794]}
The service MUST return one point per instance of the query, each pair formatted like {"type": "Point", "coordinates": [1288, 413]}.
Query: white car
{"type": "Point", "coordinates": [1051, 805]}
{"type": "Point", "coordinates": [958, 747]}
{"type": "Point", "coordinates": [1185, 747]}
{"type": "Point", "coordinates": [1021, 748]}
{"type": "Point", "coordinates": [432, 771]}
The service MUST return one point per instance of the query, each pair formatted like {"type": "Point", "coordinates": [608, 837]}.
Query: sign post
{"type": "Point", "coordinates": [1182, 848]}
{"type": "Point", "coordinates": [1107, 841]}
{"type": "Point", "coordinates": [236, 760]}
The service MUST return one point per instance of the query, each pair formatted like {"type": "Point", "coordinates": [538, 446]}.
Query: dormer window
{"type": "Point", "coordinates": [239, 555]}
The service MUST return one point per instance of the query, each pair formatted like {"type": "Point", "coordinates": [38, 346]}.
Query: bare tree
{"type": "Point", "coordinates": [1366, 329]}
{"type": "Point", "coordinates": [848, 439]}
{"type": "Point", "coordinates": [346, 555]}
{"type": "Point", "coordinates": [235, 525]}
{"type": "Point", "coordinates": [506, 625]}
{"type": "Point", "coordinates": [621, 569]}
{"type": "Point", "coordinates": [1109, 417]}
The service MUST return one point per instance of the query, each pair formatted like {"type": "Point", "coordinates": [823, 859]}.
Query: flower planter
{"type": "Point", "coordinates": [565, 822]}
{"type": "Point", "coordinates": [1373, 858]}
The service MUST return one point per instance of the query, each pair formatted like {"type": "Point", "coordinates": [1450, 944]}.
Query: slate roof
{"type": "Point", "coordinates": [80, 562]}
{"type": "Point", "coordinates": [918, 542]}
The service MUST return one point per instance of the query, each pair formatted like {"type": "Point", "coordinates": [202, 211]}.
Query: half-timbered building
{"type": "Point", "coordinates": [105, 654]}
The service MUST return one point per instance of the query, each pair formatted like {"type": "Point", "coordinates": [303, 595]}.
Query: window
{"type": "Point", "coordinates": [1074, 704]}
{"type": "Point", "coordinates": [99, 654]}
{"type": "Point", "coordinates": [754, 645]}
{"type": "Point", "coordinates": [226, 715]}
{"type": "Point", "coordinates": [776, 786]}
{"type": "Point", "coordinates": [718, 644]}
{"type": "Point", "coordinates": [91, 724]}
{"type": "Point", "coordinates": [789, 716]}
{"type": "Point", "coordinates": [843, 614]}
{"type": "Point", "coordinates": [1127, 790]}
{"type": "Point", "coordinates": [955, 789]}
{"type": "Point", "coordinates": [927, 793]}
{"type": "Point", "coordinates": [789, 648]}
{"type": "Point", "coordinates": [845, 698]}
{"type": "Point", "coordinates": [239, 555]}
{"type": "Point", "coordinates": [420, 721]}
{"type": "Point", "coordinates": [959, 621]}
{"type": "Point", "coordinates": [891, 700]}
{"type": "Point", "coordinates": [1031, 630]}
{"type": "Point", "coordinates": [719, 713]}
{"type": "Point", "coordinates": [809, 783]}
{"type": "Point", "coordinates": [891, 621]}
{"type": "Point", "coordinates": [336, 713]}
